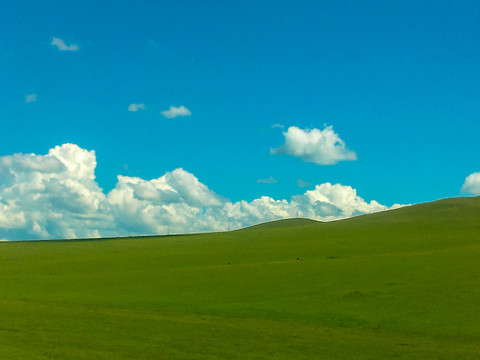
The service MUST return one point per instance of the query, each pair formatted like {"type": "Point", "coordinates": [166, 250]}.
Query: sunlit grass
{"type": "Point", "coordinates": [398, 284]}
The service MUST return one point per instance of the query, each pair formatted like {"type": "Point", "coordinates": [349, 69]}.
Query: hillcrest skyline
{"type": "Point", "coordinates": [125, 119]}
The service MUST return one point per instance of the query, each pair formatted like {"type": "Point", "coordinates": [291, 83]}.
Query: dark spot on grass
{"type": "Point", "coordinates": [354, 294]}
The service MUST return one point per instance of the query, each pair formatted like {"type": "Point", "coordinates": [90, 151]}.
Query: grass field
{"type": "Point", "coordinates": [402, 284]}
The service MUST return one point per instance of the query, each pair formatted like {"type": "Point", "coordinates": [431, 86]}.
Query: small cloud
{"type": "Point", "coordinates": [173, 112]}
{"type": "Point", "coordinates": [472, 184]}
{"type": "Point", "coordinates": [322, 147]}
{"type": "Point", "coordinates": [277, 126]}
{"type": "Point", "coordinates": [60, 44]}
{"type": "Point", "coordinates": [30, 98]}
{"type": "Point", "coordinates": [152, 43]}
{"type": "Point", "coordinates": [136, 107]}
{"type": "Point", "coordinates": [303, 183]}
{"type": "Point", "coordinates": [270, 180]}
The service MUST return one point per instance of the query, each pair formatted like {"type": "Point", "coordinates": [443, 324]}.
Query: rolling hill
{"type": "Point", "coordinates": [398, 284]}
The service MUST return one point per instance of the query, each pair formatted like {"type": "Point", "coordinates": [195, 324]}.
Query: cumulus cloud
{"type": "Point", "coordinates": [56, 196]}
{"type": "Point", "coordinates": [30, 98]}
{"type": "Point", "coordinates": [472, 184]}
{"type": "Point", "coordinates": [173, 112]}
{"type": "Point", "coordinates": [60, 45]}
{"type": "Point", "coordinates": [136, 107]}
{"type": "Point", "coordinates": [51, 196]}
{"type": "Point", "coordinates": [322, 147]}
{"type": "Point", "coordinates": [270, 180]}
{"type": "Point", "coordinates": [341, 198]}
{"type": "Point", "coordinates": [177, 201]}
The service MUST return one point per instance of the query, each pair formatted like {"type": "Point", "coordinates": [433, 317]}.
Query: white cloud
{"type": "Point", "coordinates": [30, 98]}
{"type": "Point", "coordinates": [177, 201]}
{"type": "Point", "coordinates": [136, 107]}
{"type": "Point", "coordinates": [173, 112]}
{"type": "Point", "coordinates": [270, 180]}
{"type": "Point", "coordinates": [51, 196]}
{"type": "Point", "coordinates": [472, 184]}
{"type": "Point", "coordinates": [56, 196]}
{"type": "Point", "coordinates": [343, 198]}
{"type": "Point", "coordinates": [322, 147]}
{"type": "Point", "coordinates": [277, 126]}
{"type": "Point", "coordinates": [60, 44]}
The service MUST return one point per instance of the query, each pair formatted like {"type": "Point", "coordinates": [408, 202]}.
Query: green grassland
{"type": "Point", "coordinates": [402, 284]}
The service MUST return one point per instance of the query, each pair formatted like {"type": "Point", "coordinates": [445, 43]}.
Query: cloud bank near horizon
{"type": "Point", "coordinates": [472, 184]}
{"type": "Point", "coordinates": [55, 196]}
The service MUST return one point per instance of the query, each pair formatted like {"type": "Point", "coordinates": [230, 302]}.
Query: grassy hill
{"type": "Point", "coordinates": [401, 284]}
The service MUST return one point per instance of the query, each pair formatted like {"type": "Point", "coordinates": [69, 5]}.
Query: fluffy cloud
{"type": "Point", "coordinates": [173, 112]}
{"type": "Point", "coordinates": [136, 107]}
{"type": "Point", "coordinates": [30, 98]}
{"type": "Point", "coordinates": [176, 201]}
{"type": "Point", "coordinates": [56, 196]}
{"type": "Point", "coordinates": [322, 147]}
{"type": "Point", "coordinates": [60, 45]}
{"type": "Point", "coordinates": [341, 198]}
{"type": "Point", "coordinates": [51, 196]}
{"type": "Point", "coordinates": [472, 184]}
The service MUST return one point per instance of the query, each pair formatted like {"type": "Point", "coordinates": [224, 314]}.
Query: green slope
{"type": "Point", "coordinates": [399, 284]}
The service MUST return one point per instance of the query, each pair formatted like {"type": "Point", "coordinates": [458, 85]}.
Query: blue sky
{"type": "Point", "coordinates": [397, 82]}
